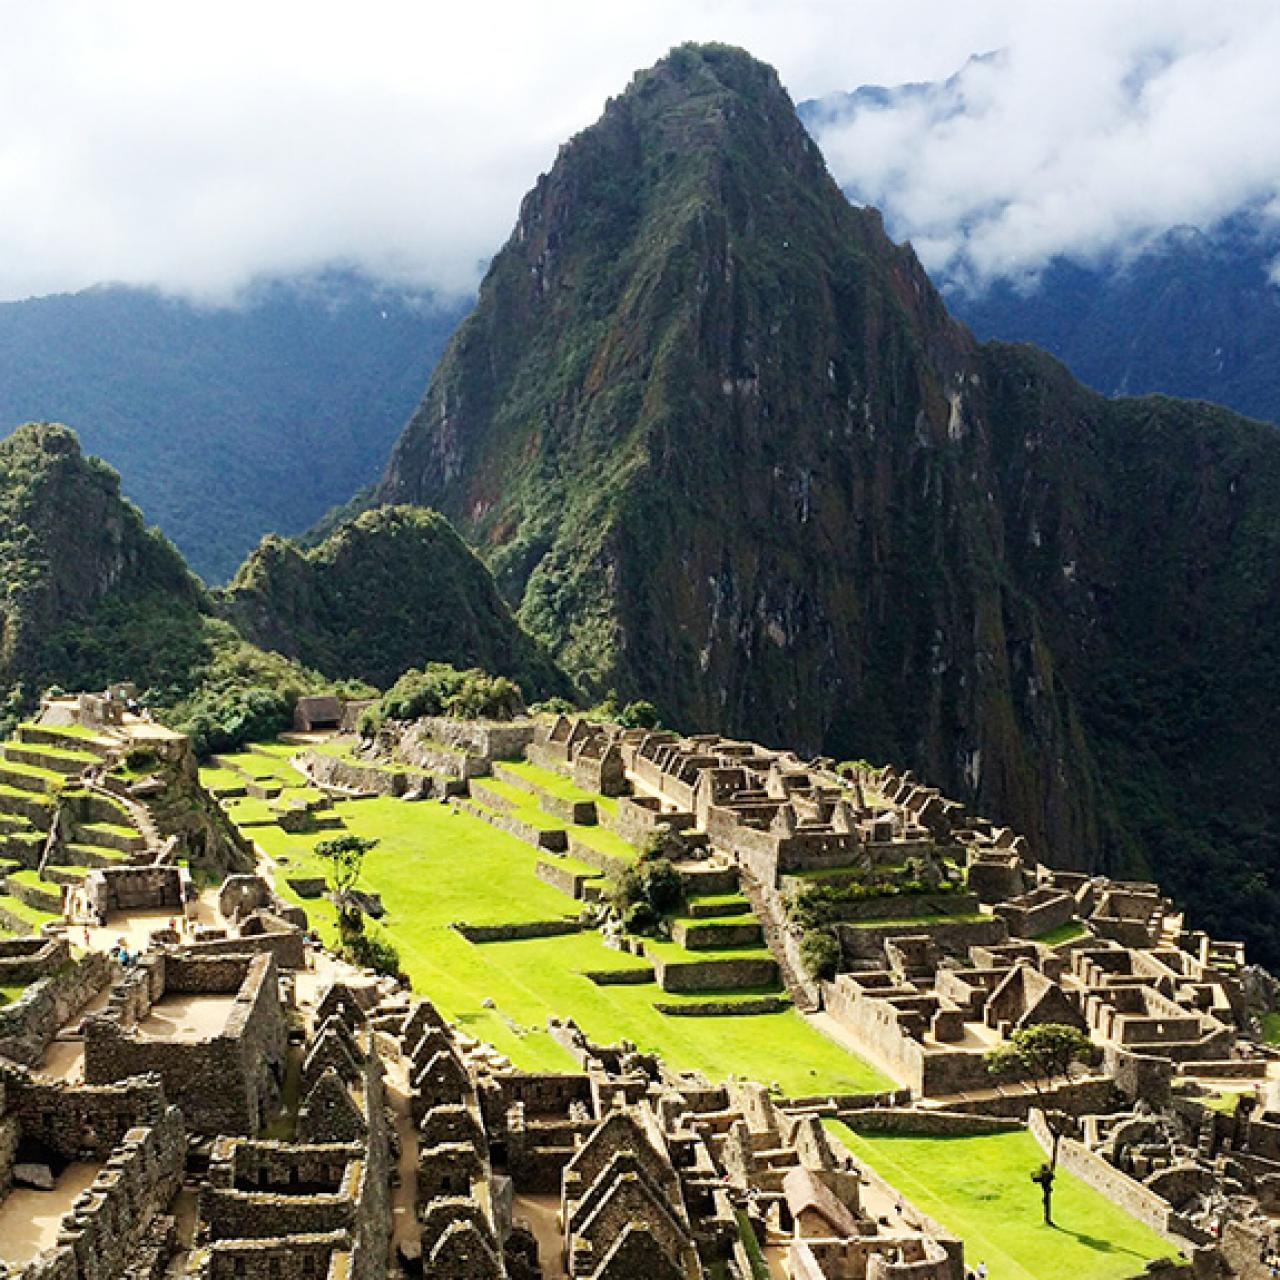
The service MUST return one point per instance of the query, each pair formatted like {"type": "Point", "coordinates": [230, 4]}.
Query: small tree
{"type": "Point", "coordinates": [1044, 1055]}
{"type": "Point", "coordinates": [345, 856]}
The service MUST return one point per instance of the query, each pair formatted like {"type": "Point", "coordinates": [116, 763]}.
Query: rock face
{"type": "Point", "coordinates": [724, 448]}
{"type": "Point", "coordinates": [392, 589]}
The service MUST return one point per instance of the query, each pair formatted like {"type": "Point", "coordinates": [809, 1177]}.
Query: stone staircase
{"type": "Point", "coordinates": [798, 989]}
{"type": "Point", "coordinates": [55, 821]}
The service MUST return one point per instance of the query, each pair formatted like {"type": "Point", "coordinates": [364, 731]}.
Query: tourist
{"type": "Point", "coordinates": [981, 1272]}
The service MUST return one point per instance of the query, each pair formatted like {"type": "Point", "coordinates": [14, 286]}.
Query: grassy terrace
{"type": "Point", "coordinates": [897, 921]}
{"type": "Point", "coordinates": [1068, 932]}
{"type": "Point", "coordinates": [557, 784]}
{"type": "Point", "coordinates": [526, 807]}
{"type": "Point", "coordinates": [344, 751]}
{"type": "Point", "coordinates": [436, 865]}
{"type": "Point", "coordinates": [981, 1189]}
{"type": "Point", "coordinates": [520, 804]}
{"type": "Point", "coordinates": [31, 915]}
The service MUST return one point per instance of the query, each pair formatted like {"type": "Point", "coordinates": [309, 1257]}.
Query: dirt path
{"type": "Point", "coordinates": [405, 1228]}
{"type": "Point", "coordinates": [540, 1211]}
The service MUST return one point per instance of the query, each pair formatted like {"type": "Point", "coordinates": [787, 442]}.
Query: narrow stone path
{"type": "Point", "coordinates": [405, 1228]}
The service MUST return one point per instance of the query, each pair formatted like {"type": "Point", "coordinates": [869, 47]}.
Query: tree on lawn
{"type": "Point", "coordinates": [1044, 1056]}
{"type": "Point", "coordinates": [345, 856]}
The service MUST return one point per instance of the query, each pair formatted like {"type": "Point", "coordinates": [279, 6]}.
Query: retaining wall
{"type": "Point", "coordinates": [1135, 1199]}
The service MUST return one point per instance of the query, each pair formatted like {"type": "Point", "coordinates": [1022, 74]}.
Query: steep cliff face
{"type": "Point", "coordinates": [723, 448]}
{"type": "Point", "coordinates": [77, 563]}
{"type": "Point", "coordinates": [392, 589]}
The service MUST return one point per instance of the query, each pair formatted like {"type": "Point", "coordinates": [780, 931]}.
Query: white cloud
{"type": "Point", "coordinates": [195, 145]}
{"type": "Point", "coordinates": [1097, 127]}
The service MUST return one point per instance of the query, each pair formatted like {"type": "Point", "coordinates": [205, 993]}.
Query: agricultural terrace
{"type": "Point", "coordinates": [436, 865]}
{"type": "Point", "coordinates": [980, 1188]}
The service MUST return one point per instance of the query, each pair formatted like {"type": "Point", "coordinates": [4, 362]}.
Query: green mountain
{"type": "Point", "coordinates": [227, 422]}
{"type": "Point", "coordinates": [91, 596]}
{"type": "Point", "coordinates": [81, 571]}
{"type": "Point", "coordinates": [392, 589]}
{"type": "Point", "coordinates": [724, 448]}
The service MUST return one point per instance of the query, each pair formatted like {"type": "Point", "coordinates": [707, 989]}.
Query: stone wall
{"type": "Point", "coordinates": [714, 975]}
{"type": "Point", "coordinates": [1036, 913]}
{"type": "Point", "coordinates": [154, 887]}
{"type": "Point", "coordinates": [573, 883]}
{"type": "Point", "coordinates": [288, 947]}
{"type": "Point", "coordinates": [87, 1120]}
{"type": "Point", "coordinates": [638, 817]}
{"type": "Point", "coordinates": [514, 932]}
{"type": "Point", "coordinates": [29, 1024]}
{"type": "Point", "coordinates": [325, 1256]}
{"type": "Point", "coordinates": [25, 960]}
{"type": "Point", "coordinates": [1131, 1196]}
{"type": "Point", "coordinates": [227, 1083]}
{"type": "Point", "coordinates": [914, 1122]}
{"type": "Point", "coordinates": [866, 942]}
{"type": "Point", "coordinates": [375, 779]}
{"type": "Point", "coordinates": [112, 1217]}
{"type": "Point", "coordinates": [495, 740]}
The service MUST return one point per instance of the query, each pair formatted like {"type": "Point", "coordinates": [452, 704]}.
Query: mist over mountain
{"type": "Point", "coordinates": [1187, 310]}
{"type": "Point", "coordinates": [227, 422]}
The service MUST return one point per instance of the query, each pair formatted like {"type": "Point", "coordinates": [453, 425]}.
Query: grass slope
{"type": "Point", "coordinates": [981, 1189]}
{"type": "Point", "coordinates": [435, 865]}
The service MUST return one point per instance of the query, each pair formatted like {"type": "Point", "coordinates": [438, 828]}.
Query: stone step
{"type": "Point", "coordinates": [707, 878]}
{"type": "Point", "coordinates": [33, 806]}
{"type": "Point", "coordinates": [70, 764]}
{"type": "Point", "coordinates": [711, 935]}
{"type": "Point", "coordinates": [23, 777]}
{"type": "Point", "coordinates": [717, 907]}
{"type": "Point", "coordinates": [52, 735]}
{"type": "Point", "coordinates": [89, 855]}
{"type": "Point", "coordinates": [106, 835]}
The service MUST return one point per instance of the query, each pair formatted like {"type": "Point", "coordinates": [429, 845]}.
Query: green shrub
{"type": "Point", "coordinates": [662, 842]}
{"type": "Point", "coordinates": [820, 953]}
{"type": "Point", "coordinates": [818, 904]}
{"type": "Point", "coordinates": [639, 715]}
{"type": "Point", "coordinates": [226, 721]}
{"type": "Point", "coordinates": [643, 894]}
{"type": "Point", "coordinates": [374, 950]}
{"type": "Point", "coordinates": [439, 689]}
{"type": "Point", "coordinates": [553, 707]}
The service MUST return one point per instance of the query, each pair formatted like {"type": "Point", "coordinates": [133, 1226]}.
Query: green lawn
{"type": "Point", "coordinates": [32, 915]}
{"type": "Point", "coordinates": [555, 784]}
{"type": "Point", "coordinates": [898, 921]}
{"type": "Point", "coordinates": [1063, 933]}
{"type": "Point", "coordinates": [1271, 1028]}
{"type": "Point", "coordinates": [435, 865]}
{"type": "Point", "coordinates": [981, 1189]}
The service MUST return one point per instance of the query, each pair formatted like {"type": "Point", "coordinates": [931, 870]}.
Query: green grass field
{"type": "Point", "coordinates": [981, 1189]}
{"type": "Point", "coordinates": [435, 866]}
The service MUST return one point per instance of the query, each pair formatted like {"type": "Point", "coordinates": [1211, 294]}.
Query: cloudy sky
{"type": "Point", "coordinates": [195, 145]}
